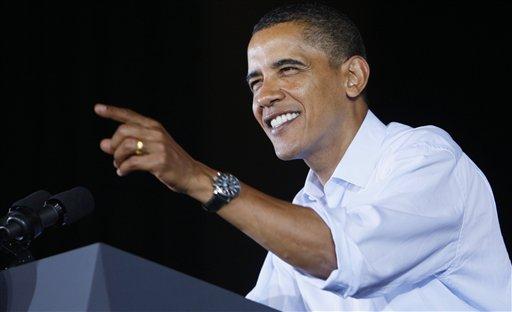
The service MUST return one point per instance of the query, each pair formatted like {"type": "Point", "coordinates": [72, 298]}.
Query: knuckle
{"type": "Point", "coordinates": [118, 156]}
{"type": "Point", "coordinates": [128, 164]}
{"type": "Point", "coordinates": [124, 147]}
{"type": "Point", "coordinates": [161, 159]}
{"type": "Point", "coordinates": [159, 135]}
{"type": "Point", "coordinates": [160, 147]}
{"type": "Point", "coordinates": [121, 146]}
{"type": "Point", "coordinates": [154, 124]}
{"type": "Point", "coordinates": [129, 143]}
{"type": "Point", "coordinates": [123, 129]}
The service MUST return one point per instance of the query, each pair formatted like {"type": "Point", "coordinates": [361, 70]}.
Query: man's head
{"type": "Point", "coordinates": [306, 65]}
{"type": "Point", "coordinates": [324, 28]}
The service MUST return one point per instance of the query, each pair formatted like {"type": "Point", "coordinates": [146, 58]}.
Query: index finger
{"type": "Point", "coordinates": [123, 115]}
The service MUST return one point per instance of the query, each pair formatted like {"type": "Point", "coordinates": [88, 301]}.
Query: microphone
{"type": "Point", "coordinates": [13, 223]}
{"type": "Point", "coordinates": [67, 207]}
{"type": "Point", "coordinates": [33, 201]}
{"type": "Point", "coordinates": [27, 218]}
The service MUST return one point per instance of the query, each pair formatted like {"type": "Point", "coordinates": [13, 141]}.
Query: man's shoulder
{"type": "Point", "coordinates": [400, 138]}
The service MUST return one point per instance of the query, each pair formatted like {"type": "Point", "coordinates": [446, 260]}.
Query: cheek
{"type": "Point", "coordinates": [320, 99]}
{"type": "Point", "coordinates": [308, 93]}
{"type": "Point", "coordinates": [308, 87]}
{"type": "Point", "coordinates": [257, 111]}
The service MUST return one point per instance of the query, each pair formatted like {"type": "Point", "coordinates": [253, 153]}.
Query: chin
{"type": "Point", "coordinates": [286, 154]}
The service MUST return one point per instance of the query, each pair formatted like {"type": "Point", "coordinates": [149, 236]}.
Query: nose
{"type": "Point", "coordinates": [269, 93]}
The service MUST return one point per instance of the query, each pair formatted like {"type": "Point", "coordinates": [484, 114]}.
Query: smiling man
{"type": "Point", "coordinates": [390, 217]}
{"type": "Point", "coordinates": [297, 87]}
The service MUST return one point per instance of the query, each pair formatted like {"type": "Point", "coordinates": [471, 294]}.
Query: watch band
{"type": "Point", "coordinates": [215, 203]}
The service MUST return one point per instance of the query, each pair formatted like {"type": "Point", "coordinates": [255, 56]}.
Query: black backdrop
{"type": "Point", "coordinates": [184, 64]}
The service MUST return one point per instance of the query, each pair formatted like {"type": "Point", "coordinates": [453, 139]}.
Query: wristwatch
{"type": "Point", "coordinates": [226, 187]}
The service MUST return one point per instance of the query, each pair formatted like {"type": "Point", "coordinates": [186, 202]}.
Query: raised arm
{"type": "Point", "coordinates": [294, 233]}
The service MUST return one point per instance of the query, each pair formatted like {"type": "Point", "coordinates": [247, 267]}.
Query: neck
{"type": "Point", "coordinates": [324, 160]}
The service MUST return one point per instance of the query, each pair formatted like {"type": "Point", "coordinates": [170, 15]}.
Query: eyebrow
{"type": "Point", "coordinates": [276, 64]}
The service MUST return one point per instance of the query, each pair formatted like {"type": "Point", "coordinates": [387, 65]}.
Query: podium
{"type": "Point", "coordinates": [100, 277]}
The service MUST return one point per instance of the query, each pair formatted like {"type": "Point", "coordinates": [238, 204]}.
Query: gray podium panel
{"type": "Point", "coordinates": [100, 277]}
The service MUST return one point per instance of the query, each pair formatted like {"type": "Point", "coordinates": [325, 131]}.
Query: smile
{"type": "Point", "coordinates": [281, 119]}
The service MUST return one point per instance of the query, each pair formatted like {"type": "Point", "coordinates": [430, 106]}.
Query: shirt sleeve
{"type": "Point", "coordinates": [276, 287]}
{"type": "Point", "coordinates": [403, 235]}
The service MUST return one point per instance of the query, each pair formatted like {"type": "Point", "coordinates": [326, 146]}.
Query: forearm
{"type": "Point", "coordinates": [294, 233]}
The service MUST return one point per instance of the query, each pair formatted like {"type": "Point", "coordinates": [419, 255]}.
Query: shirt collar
{"type": "Point", "coordinates": [359, 159]}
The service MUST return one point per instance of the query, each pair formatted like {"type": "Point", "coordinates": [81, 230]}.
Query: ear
{"type": "Point", "coordinates": [357, 72]}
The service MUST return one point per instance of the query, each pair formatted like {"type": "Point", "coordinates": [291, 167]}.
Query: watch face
{"type": "Point", "coordinates": [227, 185]}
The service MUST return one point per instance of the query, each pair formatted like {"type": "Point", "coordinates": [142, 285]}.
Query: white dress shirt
{"type": "Point", "coordinates": [414, 226]}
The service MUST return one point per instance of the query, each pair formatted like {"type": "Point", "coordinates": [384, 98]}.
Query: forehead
{"type": "Point", "coordinates": [283, 40]}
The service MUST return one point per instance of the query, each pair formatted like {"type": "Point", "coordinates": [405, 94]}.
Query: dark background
{"type": "Point", "coordinates": [184, 64]}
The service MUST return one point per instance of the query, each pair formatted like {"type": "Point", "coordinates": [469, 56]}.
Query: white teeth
{"type": "Point", "coordinates": [279, 120]}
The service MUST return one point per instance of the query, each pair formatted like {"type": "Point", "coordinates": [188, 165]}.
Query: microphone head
{"type": "Point", "coordinates": [33, 201]}
{"type": "Point", "coordinates": [77, 203]}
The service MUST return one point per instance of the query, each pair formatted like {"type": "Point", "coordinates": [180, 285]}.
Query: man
{"type": "Point", "coordinates": [390, 217]}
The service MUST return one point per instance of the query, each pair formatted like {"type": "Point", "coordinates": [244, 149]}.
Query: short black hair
{"type": "Point", "coordinates": [324, 28]}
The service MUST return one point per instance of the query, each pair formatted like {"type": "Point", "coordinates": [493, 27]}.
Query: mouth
{"type": "Point", "coordinates": [280, 120]}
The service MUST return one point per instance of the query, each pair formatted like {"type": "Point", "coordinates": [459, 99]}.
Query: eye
{"type": "Point", "coordinates": [255, 84]}
{"type": "Point", "coordinates": [289, 70]}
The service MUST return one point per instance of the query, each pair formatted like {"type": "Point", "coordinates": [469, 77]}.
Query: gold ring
{"type": "Point", "coordinates": [139, 149]}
